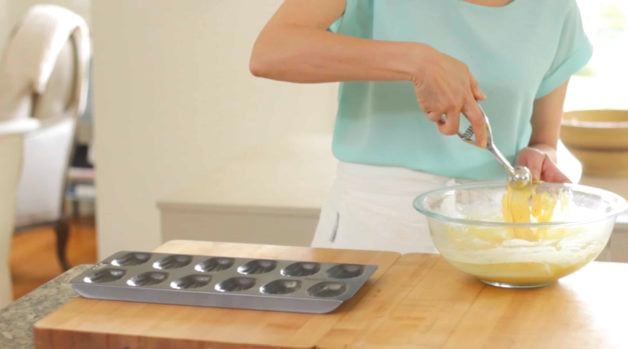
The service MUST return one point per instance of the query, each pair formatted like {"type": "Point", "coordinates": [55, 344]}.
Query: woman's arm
{"type": "Point", "coordinates": [540, 155]}
{"type": "Point", "coordinates": [296, 46]}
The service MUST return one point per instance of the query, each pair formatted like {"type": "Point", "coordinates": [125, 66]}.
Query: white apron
{"type": "Point", "coordinates": [370, 208]}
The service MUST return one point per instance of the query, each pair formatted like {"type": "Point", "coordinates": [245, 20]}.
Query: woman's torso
{"type": "Point", "coordinates": [509, 49]}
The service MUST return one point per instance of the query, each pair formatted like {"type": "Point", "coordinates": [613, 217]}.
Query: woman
{"type": "Point", "coordinates": [406, 65]}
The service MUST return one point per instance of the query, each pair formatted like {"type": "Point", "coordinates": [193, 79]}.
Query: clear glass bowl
{"type": "Point", "coordinates": [468, 229]}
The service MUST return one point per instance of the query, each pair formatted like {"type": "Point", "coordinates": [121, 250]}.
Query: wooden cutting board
{"type": "Point", "coordinates": [422, 302]}
{"type": "Point", "coordinates": [96, 324]}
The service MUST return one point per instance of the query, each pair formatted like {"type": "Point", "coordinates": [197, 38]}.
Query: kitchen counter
{"type": "Point", "coordinates": [413, 301]}
{"type": "Point", "coordinates": [17, 319]}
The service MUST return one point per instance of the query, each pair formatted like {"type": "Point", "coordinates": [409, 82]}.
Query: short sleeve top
{"type": "Point", "coordinates": [518, 53]}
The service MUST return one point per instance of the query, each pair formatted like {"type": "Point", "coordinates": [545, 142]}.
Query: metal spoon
{"type": "Point", "coordinates": [518, 176]}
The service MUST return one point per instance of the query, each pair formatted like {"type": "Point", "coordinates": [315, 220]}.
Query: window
{"type": "Point", "coordinates": [603, 83]}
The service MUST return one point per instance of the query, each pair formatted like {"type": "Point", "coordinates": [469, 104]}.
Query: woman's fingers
{"type": "Point", "coordinates": [533, 160]}
{"type": "Point", "coordinates": [478, 94]}
{"type": "Point", "coordinates": [438, 118]}
{"type": "Point", "coordinates": [447, 123]}
{"type": "Point", "coordinates": [541, 166]}
{"type": "Point", "coordinates": [451, 124]}
{"type": "Point", "coordinates": [551, 173]}
{"type": "Point", "coordinates": [475, 116]}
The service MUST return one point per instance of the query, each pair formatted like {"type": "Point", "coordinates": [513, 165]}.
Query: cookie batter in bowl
{"type": "Point", "coordinates": [527, 237]}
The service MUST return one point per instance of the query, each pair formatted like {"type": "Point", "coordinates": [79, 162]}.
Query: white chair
{"type": "Point", "coordinates": [62, 41]}
{"type": "Point", "coordinates": [43, 75]}
{"type": "Point", "coordinates": [11, 145]}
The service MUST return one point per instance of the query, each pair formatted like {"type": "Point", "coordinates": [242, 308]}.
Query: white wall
{"type": "Point", "coordinates": [174, 100]}
{"type": "Point", "coordinates": [4, 23]}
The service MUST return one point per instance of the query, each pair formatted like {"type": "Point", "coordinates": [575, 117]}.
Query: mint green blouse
{"type": "Point", "coordinates": [518, 53]}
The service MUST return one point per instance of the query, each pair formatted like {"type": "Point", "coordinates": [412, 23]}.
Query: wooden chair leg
{"type": "Point", "coordinates": [62, 230]}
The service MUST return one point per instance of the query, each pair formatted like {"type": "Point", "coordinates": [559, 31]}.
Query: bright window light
{"type": "Point", "coordinates": [603, 83]}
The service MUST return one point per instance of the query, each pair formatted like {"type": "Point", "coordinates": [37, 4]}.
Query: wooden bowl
{"type": "Point", "coordinates": [599, 139]}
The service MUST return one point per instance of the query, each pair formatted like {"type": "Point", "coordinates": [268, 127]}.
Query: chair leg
{"type": "Point", "coordinates": [76, 209]}
{"type": "Point", "coordinates": [62, 229]}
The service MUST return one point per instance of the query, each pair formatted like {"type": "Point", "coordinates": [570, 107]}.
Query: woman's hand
{"type": "Point", "coordinates": [445, 88]}
{"type": "Point", "coordinates": [541, 160]}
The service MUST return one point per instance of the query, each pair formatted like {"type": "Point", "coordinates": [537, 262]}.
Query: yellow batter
{"type": "Point", "coordinates": [523, 256]}
{"type": "Point", "coordinates": [525, 205]}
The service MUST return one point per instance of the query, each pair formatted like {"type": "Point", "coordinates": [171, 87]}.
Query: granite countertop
{"type": "Point", "coordinates": [17, 319]}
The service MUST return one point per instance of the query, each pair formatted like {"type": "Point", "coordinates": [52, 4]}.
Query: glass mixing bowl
{"type": "Point", "coordinates": [468, 229]}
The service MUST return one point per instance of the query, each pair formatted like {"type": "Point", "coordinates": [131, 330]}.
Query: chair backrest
{"type": "Point", "coordinates": [60, 96]}
{"type": "Point", "coordinates": [43, 72]}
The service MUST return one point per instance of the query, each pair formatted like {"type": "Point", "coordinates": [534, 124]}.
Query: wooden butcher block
{"type": "Point", "coordinates": [423, 302]}
{"type": "Point", "coordinates": [100, 324]}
